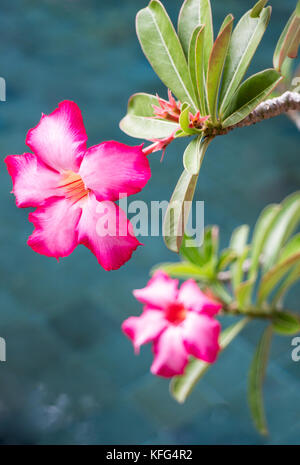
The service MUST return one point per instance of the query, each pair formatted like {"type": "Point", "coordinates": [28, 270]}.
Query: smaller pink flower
{"type": "Point", "coordinates": [179, 323]}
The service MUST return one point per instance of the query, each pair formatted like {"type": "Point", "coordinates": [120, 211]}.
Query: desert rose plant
{"type": "Point", "coordinates": [74, 190]}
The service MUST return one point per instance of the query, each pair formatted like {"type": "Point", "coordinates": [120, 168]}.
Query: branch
{"type": "Point", "coordinates": [289, 103]}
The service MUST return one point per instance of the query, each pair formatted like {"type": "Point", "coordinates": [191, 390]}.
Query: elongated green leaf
{"type": "Point", "coordinates": [185, 270]}
{"type": "Point", "coordinates": [243, 293]}
{"type": "Point", "coordinates": [194, 154]}
{"type": "Point", "coordinates": [238, 243]}
{"type": "Point", "coordinates": [216, 65]}
{"type": "Point", "coordinates": [274, 275]}
{"type": "Point", "coordinates": [291, 248]}
{"type": "Point", "coordinates": [286, 323]}
{"type": "Point", "coordinates": [237, 269]}
{"type": "Point", "coordinates": [252, 92]}
{"type": "Point", "coordinates": [287, 39]}
{"type": "Point", "coordinates": [192, 14]}
{"type": "Point", "coordinates": [292, 277]}
{"type": "Point", "coordinates": [142, 127]}
{"type": "Point", "coordinates": [196, 36]}
{"type": "Point", "coordinates": [182, 386]}
{"type": "Point", "coordinates": [262, 229]}
{"type": "Point", "coordinates": [200, 72]}
{"type": "Point", "coordinates": [178, 211]}
{"type": "Point", "coordinates": [161, 46]}
{"type": "Point", "coordinates": [256, 379]}
{"type": "Point", "coordinates": [226, 258]}
{"type": "Point", "coordinates": [257, 9]}
{"type": "Point", "coordinates": [294, 47]}
{"type": "Point", "coordinates": [239, 238]}
{"type": "Point", "coordinates": [243, 44]}
{"type": "Point", "coordinates": [191, 156]}
{"type": "Point", "coordinates": [286, 221]}
{"type": "Point", "coordinates": [190, 251]}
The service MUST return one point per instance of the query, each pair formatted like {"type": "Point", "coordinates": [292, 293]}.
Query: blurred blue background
{"type": "Point", "coordinates": [71, 376]}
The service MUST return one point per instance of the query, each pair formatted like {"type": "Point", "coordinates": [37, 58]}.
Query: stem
{"type": "Point", "coordinates": [289, 103]}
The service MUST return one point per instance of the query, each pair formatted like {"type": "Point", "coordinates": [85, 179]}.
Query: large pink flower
{"type": "Point", "coordinates": [74, 188]}
{"type": "Point", "coordinates": [179, 322]}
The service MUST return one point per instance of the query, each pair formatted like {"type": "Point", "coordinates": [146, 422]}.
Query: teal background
{"type": "Point", "coordinates": [71, 376]}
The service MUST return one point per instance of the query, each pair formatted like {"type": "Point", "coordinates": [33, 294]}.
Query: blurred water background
{"type": "Point", "coordinates": [71, 377]}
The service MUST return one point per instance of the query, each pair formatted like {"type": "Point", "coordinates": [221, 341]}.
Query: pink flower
{"type": "Point", "coordinates": [179, 322]}
{"type": "Point", "coordinates": [75, 188]}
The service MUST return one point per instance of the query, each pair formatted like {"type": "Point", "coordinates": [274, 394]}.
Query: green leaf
{"type": "Point", "coordinates": [256, 10]}
{"type": "Point", "coordinates": [250, 94]}
{"type": "Point", "coordinates": [141, 104]}
{"type": "Point", "coordinates": [256, 379]}
{"type": "Point", "coordinates": [184, 270]}
{"type": "Point", "coordinates": [200, 72]}
{"type": "Point", "coordinates": [243, 293]}
{"type": "Point", "coordinates": [238, 243]}
{"type": "Point", "coordinates": [291, 248]}
{"type": "Point", "coordinates": [243, 44]}
{"type": "Point", "coordinates": [286, 221]}
{"type": "Point", "coordinates": [291, 278]}
{"type": "Point", "coordinates": [226, 258]}
{"type": "Point", "coordinates": [286, 323]}
{"type": "Point", "coordinates": [191, 156]}
{"type": "Point", "coordinates": [178, 211]}
{"type": "Point", "coordinates": [216, 65]}
{"type": "Point", "coordinates": [147, 128]}
{"type": "Point", "coordinates": [262, 229]}
{"type": "Point", "coordinates": [192, 14]}
{"type": "Point", "coordinates": [197, 36]}
{"type": "Point", "coordinates": [162, 47]}
{"type": "Point", "coordinates": [239, 238]}
{"type": "Point", "coordinates": [190, 251]}
{"type": "Point", "coordinates": [182, 386]}
{"type": "Point", "coordinates": [293, 50]}
{"type": "Point", "coordinates": [288, 39]}
{"type": "Point", "coordinates": [184, 119]}
{"type": "Point", "coordinates": [194, 154]}
{"type": "Point", "coordinates": [237, 269]}
{"type": "Point", "coordinates": [274, 275]}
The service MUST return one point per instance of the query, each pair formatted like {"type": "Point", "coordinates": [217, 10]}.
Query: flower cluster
{"type": "Point", "coordinates": [179, 323]}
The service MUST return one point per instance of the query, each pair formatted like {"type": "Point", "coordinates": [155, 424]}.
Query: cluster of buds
{"type": "Point", "coordinates": [197, 121]}
{"type": "Point", "coordinates": [171, 110]}
{"type": "Point", "coordinates": [167, 109]}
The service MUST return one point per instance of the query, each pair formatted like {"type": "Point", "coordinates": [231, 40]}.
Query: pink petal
{"type": "Point", "coordinates": [33, 181]}
{"type": "Point", "coordinates": [106, 231]}
{"type": "Point", "coordinates": [113, 170]}
{"type": "Point", "coordinates": [170, 354]}
{"type": "Point", "coordinates": [160, 291]}
{"type": "Point", "coordinates": [60, 138]}
{"type": "Point", "coordinates": [194, 299]}
{"type": "Point", "coordinates": [145, 328]}
{"type": "Point", "coordinates": [55, 224]}
{"type": "Point", "coordinates": [201, 335]}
